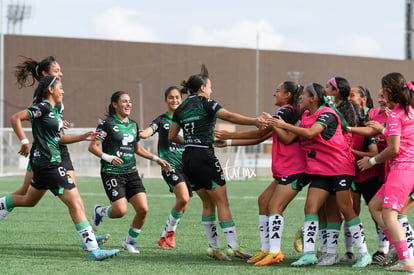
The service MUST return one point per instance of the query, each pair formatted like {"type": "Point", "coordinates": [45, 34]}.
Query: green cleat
{"type": "Point", "coordinates": [100, 239]}
{"type": "Point", "coordinates": [363, 260]}
{"type": "Point", "coordinates": [100, 254]}
{"type": "Point", "coordinates": [308, 258]}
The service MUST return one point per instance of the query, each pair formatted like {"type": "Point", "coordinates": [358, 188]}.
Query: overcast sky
{"type": "Point", "coordinates": [371, 28]}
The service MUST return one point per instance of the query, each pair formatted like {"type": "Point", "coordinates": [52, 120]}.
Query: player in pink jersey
{"type": "Point", "coordinates": [399, 183]}
{"type": "Point", "coordinates": [288, 172]}
{"type": "Point", "coordinates": [329, 161]}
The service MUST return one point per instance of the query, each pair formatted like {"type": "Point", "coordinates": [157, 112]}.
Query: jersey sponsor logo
{"type": "Point", "coordinates": [128, 138]}
{"type": "Point", "coordinates": [133, 130]}
{"type": "Point", "coordinates": [323, 117]}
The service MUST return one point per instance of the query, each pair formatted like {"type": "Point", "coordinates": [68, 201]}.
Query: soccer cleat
{"type": "Point", "coordinates": [3, 214]}
{"type": "Point", "coordinates": [257, 257]}
{"type": "Point", "coordinates": [163, 243]}
{"type": "Point", "coordinates": [100, 254]}
{"type": "Point", "coordinates": [96, 219]}
{"type": "Point", "coordinates": [217, 254]}
{"type": "Point", "coordinates": [237, 253]}
{"type": "Point", "coordinates": [363, 260]}
{"type": "Point", "coordinates": [298, 242]}
{"type": "Point", "coordinates": [392, 256]}
{"type": "Point", "coordinates": [100, 239]}
{"type": "Point", "coordinates": [170, 238]}
{"type": "Point", "coordinates": [328, 259]}
{"type": "Point", "coordinates": [308, 258]}
{"type": "Point", "coordinates": [402, 265]}
{"type": "Point", "coordinates": [348, 257]}
{"type": "Point", "coordinates": [271, 258]}
{"type": "Point", "coordinates": [379, 258]}
{"type": "Point", "coordinates": [130, 246]}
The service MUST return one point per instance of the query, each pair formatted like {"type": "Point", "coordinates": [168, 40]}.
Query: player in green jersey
{"type": "Point", "coordinates": [48, 171]}
{"type": "Point", "coordinates": [119, 136]}
{"type": "Point", "coordinates": [197, 117]}
{"type": "Point", "coordinates": [27, 73]}
{"type": "Point", "coordinates": [175, 178]}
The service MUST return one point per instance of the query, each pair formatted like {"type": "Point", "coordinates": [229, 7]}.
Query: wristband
{"type": "Point", "coordinates": [228, 142]}
{"type": "Point", "coordinates": [383, 131]}
{"type": "Point", "coordinates": [155, 158]}
{"type": "Point", "coordinates": [24, 141]}
{"type": "Point", "coordinates": [372, 161]}
{"type": "Point", "coordinates": [348, 128]}
{"type": "Point", "coordinates": [108, 158]}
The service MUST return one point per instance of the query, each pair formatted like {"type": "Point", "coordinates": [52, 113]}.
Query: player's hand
{"type": "Point", "coordinates": [220, 143]}
{"type": "Point", "coordinates": [117, 161]}
{"type": "Point", "coordinates": [66, 124]}
{"type": "Point", "coordinates": [363, 164]}
{"type": "Point", "coordinates": [276, 122]}
{"type": "Point", "coordinates": [24, 150]}
{"type": "Point", "coordinates": [375, 125]}
{"type": "Point", "coordinates": [222, 134]}
{"type": "Point", "coordinates": [91, 135]}
{"type": "Point", "coordinates": [164, 164]}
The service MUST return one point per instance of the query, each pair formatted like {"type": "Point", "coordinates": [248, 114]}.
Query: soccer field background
{"type": "Point", "coordinates": [43, 240]}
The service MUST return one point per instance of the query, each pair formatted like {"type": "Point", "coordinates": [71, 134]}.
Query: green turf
{"type": "Point", "coordinates": [43, 240]}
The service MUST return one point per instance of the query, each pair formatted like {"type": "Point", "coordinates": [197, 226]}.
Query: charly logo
{"type": "Point", "coordinates": [237, 172]}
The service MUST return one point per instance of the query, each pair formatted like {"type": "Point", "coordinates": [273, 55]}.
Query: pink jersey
{"type": "Point", "coordinates": [358, 144]}
{"type": "Point", "coordinates": [399, 124]}
{"type": "Point", "coordinates": [326, 157]}
{"type": "Point", "coordinates": [286, 159]}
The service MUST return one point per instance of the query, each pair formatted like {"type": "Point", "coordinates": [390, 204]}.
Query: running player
{"type": "Point", "coordinates": [119, 136]}
{"type": "Point", "coordinates": [197, 116]}
{"type": "Point", "coordinates": [48, 172]}
{"type": "Point", "coordinates": [172, 153]}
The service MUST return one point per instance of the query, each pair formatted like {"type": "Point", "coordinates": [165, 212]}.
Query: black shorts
{"type": "Point", "coordinates": [298, 181]}
{"type": "Point", "coordinates": [367, 188]}
{"type": "Point", "coordinates": [53, 177]}
{"type": "Point", "coordinates": [202, 168]}
{"type": "Point", "coordinates": [174, 177]}
{"type": "Point", "coordinates": [332, 184]}
{"type": "Point", "coordinates": [122, 186]}
{"type": "Point", "coordinates": [66, 161]}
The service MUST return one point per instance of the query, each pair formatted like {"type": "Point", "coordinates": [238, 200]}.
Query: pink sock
{"type": "Point", "coordinates": [402, 250]}
{"type": "Point", "coordinates": [387, 234]}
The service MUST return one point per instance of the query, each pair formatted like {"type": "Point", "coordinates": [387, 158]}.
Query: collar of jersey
{"type": "Point", "coordinates": [120, 120]}
{"type": "Point", "coordinates": [168, 115]}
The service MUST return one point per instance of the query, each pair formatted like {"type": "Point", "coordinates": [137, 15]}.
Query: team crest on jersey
{"type": "Point", "coordinates": [154, 127]}
{"type": "Point", "coordinates": [102, 134]}
{"type": "Point", "coordinates": [114, 193]}
{"type": "Point", "coordinates": [133, 130]}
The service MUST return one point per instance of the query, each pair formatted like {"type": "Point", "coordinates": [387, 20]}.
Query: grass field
{"type": "Point", "coordinates": [43, 240]}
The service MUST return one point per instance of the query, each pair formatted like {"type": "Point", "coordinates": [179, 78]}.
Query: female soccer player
{"type": "Point", "coordinates": [27, 73]}
{"type": "Point", "coordinates": [48, 172]}
{"type": "Point", "coordinates": [330, 163]}
{"type": "Point", "coordinates": [197, 116]}
{"type": "Point", "coordinates": [288, 172]}
{"type": "Point", "coordinates": [392, 196]}
{"type": "Point", "coordinates": [119, 136]}
{"type": "Point", "coordinates": [172, 153]}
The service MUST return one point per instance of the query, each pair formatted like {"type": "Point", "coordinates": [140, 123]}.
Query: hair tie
{"type": "Point", "coordinates": [410, 86]}
{"type": "Point", "coordinates": [332, 81]}
{"type": "Point", "coordinates": [51, 83]}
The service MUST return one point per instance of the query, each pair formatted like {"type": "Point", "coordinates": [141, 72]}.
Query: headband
{"type": "Point", "coordinates": [51, 83]}
{"type": "Point", "coordinates": [312, 90]}
{"type": "Point", "coordinates": [333, 82]}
